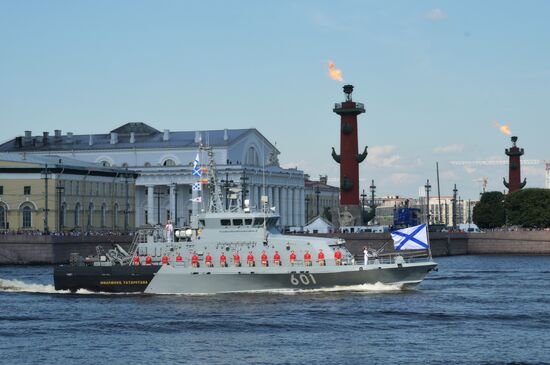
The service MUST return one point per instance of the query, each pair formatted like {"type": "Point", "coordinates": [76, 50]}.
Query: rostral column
{"type": "Point", "coordinates": [514, 168]}
{"type": "Point", "coordinates": [349, 157]}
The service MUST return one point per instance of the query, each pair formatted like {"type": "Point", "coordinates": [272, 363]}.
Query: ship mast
{"type": "Point", "coordinates": [215, 204]}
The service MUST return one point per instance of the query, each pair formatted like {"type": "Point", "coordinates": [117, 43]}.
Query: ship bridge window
{"type": "Point", "coordinates": [225, 222]}
{"type": "Point", "coordinates": [237, 222]}
{"type": "Point", "coordinates": [202, 222]}
{"type": "Point", "coordinates": [258, 221]}
{"type": "Point", "coordinates": [248, 222]}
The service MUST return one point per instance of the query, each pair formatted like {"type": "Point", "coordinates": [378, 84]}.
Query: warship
{"type": "Point", "coordinates": [233, 249]}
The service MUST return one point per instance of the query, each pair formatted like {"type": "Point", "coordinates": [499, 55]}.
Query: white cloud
{"type": "Point", "coordinates": [382, 156]}
{"type": "Point", "coordinates": [435, 14]}
{"type": "Point", "coordinates": [449, 148]}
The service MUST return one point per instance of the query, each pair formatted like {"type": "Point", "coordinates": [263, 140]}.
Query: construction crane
{"type": "Point", "coordinates": [484, 181]}
{"type": "Point", "coordinates": [505, 162]}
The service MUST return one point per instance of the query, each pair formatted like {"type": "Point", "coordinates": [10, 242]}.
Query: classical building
{"type": "Point", "coordinates": [164, 160]}
{"type": "Point", "coordinates": [54, 193]}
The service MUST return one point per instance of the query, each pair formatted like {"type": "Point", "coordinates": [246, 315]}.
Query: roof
{"type": "Point", "coordinates": [22, 161]}
{"type": "Point", "coordinates": [145, 137]}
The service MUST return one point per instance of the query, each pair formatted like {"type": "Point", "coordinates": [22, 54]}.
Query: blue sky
{"type": "Point", "coordinates": [435, 76]}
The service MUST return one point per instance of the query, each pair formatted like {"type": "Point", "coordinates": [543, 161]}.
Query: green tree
{"type": "Point", "coordinates": [529, 208]}
{"type": "Point", "coordinates": [489, 212]}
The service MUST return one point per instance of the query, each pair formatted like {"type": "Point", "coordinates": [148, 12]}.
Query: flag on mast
{"type": "Point", "coordinates": [197, 171]}
{"type": "Point", "coordinates": [412, 238]}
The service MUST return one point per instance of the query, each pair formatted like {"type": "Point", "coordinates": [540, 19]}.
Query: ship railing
{"type": "Point", "coordinates": [398, 257]}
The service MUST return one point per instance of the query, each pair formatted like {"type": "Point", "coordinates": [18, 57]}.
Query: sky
{"type": "Point", "coordinates": [435, 77]}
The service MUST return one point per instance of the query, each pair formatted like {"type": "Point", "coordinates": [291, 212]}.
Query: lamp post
{"type": "Point", "coordinates": [455, 191]}
{"type": "Point", "coordinates": [317, 193]}
{"type": "Point", "coordinates": [307, 199]}
{"type": "Point", "coordinates": [427, 187]}
{"type": "Point", "coordinates": [60, 221]}
{"type": "Point", "coordinates": [363, 196]}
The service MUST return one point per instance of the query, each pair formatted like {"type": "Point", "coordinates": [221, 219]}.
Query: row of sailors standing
{"type": "Point", "coordinates": [250, 261]}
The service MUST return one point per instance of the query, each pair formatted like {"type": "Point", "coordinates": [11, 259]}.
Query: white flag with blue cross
{"type": "Point", "coordinates": [196, 167]}
{"type": "Point", "coordinates": [412, 238]}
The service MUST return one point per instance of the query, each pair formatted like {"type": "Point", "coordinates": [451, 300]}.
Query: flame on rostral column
{"type": "Point", "coordinates": [504, 128]}
{"type": "Point", "coordinates": [334, 73]}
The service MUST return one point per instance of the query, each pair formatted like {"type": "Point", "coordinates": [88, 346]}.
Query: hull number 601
{"type": "Point", "coordinates": [304, 279]}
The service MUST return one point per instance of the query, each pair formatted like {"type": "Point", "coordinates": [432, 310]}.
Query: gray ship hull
{"type": "Point", "coordinates": [182, 280]}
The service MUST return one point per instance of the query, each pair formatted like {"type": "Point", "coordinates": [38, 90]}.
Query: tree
{"type": "Point", "coordinates": [489, 212]}
{"type": "Point", "coordinates": [529, 208]}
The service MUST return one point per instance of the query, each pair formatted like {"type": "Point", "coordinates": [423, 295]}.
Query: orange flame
{"type": "Point", "coordinates": [504, 128]}
{"type": "Point", "coordinates": [334, 73]}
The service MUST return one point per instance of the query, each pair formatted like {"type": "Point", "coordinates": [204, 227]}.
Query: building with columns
{"type": "Point", "coordinates": [163, 162]}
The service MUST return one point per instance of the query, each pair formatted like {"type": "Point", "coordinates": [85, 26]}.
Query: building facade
{"type": "Point", "coordinates": [52, 193]}
{"type": "Point", "coordinates": [321, 199]}
{"type": "Point", "coordinates": [164, 161]}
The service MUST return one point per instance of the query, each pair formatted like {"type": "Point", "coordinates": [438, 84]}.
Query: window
{"type": "Point", "coordinates": [258, 221]}
{"type": "Point", "coordinates": [63, 215]}
{"type": "Point", "coordinates": [169, 162]}
{"type": "Point", "coordinates": [2, 217]}
{"type": "Point", "coordinates": [27, 217]}
{"type": "Point", "coordinates": [225, 222]}
{"type": "Point", "coordinates": [26, 190]}
{"type": "Point", "coordinates": [251, 157]}
{"type": "Point", "coordinates": [90, 215]}
{"type": "Point", "coordinates": [146, 216]}
{"type": "Point", "coordinates": [105, 163]}
{"type": "Point", "coordinates": [248, 221]}
{"type": "Point", "coordinates": [237, 222]}
{"type": "Point", "coordinates": [202, 222]}
{"type": "Point", "coordinates": [115, 215]}
{"type": "Point", "coordinates": [1, 190]}
{"type": "Point", "coordinates": [103, 214]}
{"type": "Point", "coordinates": [77, 215]}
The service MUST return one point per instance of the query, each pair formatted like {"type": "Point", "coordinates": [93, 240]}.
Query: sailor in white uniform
{"type": "Point", "coordinates": [169, 231]}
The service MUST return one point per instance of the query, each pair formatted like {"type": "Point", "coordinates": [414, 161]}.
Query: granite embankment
{"type": "Point", "coordinates": [21, 249]}
{"type": "Point", "coordinates": [459, 243]}
{"type": "Point", "coordinates": [27, 249]}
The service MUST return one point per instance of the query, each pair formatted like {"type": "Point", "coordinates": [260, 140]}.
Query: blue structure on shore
{"type": "Point", "coordinates": [406, 217]}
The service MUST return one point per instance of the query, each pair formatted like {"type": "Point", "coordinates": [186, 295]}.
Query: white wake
{"type": "Point", "coordinates": [18, 286]}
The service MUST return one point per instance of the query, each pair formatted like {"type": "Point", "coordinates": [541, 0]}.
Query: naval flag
{"type": "Point", "coordinates": [412, 238]}
{"type": "Point", "coordinates": [196, 168]}
{"type": "Point", "coordinates": [196, 186]}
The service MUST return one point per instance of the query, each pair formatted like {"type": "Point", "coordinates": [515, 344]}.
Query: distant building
{"type": "Point", "coordinates": [385, 212]}
{"type": "Point", "coordinates": [163, 160]}
{"type": "Point", "coordinates": [54, 193]}
{"type": "Point", "coordinates": [321, 199]}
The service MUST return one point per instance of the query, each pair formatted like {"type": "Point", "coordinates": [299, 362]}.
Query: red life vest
{"type": "Point", "coordinates": [236, 258]}
{"type": "Point", "coordinates": [165, 260]}
{"type": "Point", "coordinates": [264, 257]}
{"type": "Point", "coordinates": [277, 257]}
{"type": "Point", "coordinates": [321, 255]}
{"type": "Point", "coordinates": [179, 258]}
{"type": "Point", "coordinates": [136, 260]}
{"type": "Point", "coordinates": [250, 258]}
{"type": "Point", "coordinates": [208, 258]}
{"type": "Point", "coordinates": [195, 259]}
{"type": "Point", "coordinates": [307, 256]}
{"type": "Point", "coordinates": [337, 255]}
{"type": "Point", "coordinates": [148, 260]}
{"type": "Point", "coordinates": [292, 256]}
{"type": "Point", "coordinates": [223, 258]}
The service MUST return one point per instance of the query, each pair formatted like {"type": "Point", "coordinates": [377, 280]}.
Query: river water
{"type": "Point", "coordinates": [475, 310]}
